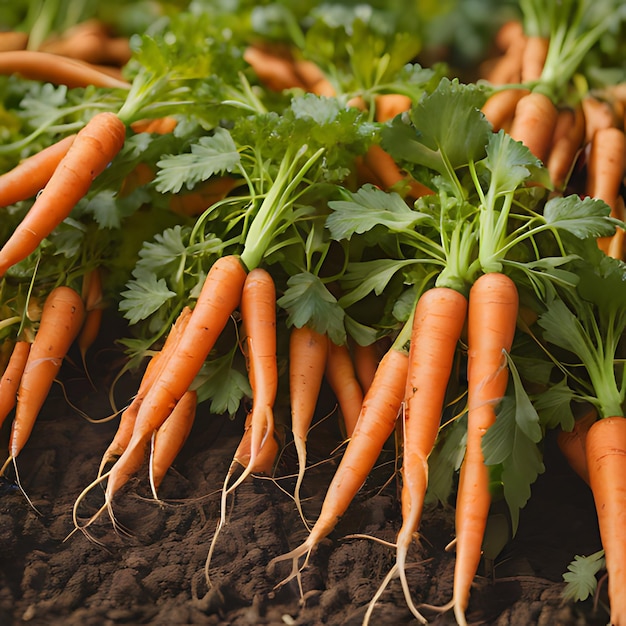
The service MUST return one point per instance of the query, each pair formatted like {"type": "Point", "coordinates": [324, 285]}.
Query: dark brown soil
{"type": "Point", "coordinates": [154, 573]}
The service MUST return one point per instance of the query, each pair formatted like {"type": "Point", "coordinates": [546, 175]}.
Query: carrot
{"type": "Point", "coordinates": [276, 71]}
{"type": "Point", "coordinates": [437, 325]}
{"type": "Point", "coordinates": [534, 122]}
{"type": "Point", "coordinates": [13, 40]}
{"type": "Point", "coordinates": [60, 70]}
{"type": "Point", "coordinates": [219, 297]}
{"type": "Point", "coordinates": [376, 422]}
{"type": "Point", "coordinates": [258, 314]}
{"type": "Point", "coordinates": [606, 453]}
{"type": "Point", "coordinates": [265, 458]}
{"type": "Point", "coordinates": [534, 57]}
{"type": "Point", "coordinates": [32, 174]}
{"type": "Point", "coordinates": [170, 438]}
{"type": "Point", "coordinates": [499, 109]}
{"type": "Point", "coordinates": [605, 165]}
{"type": "Point", "coordinates": [366, 360]}
{"type": "Point", "coordinates": [492, 315]}
{"type": "Point", "coordinates": [308, 351]}
{"type": "Point", "coordinates": [153, 370]}
{"type": "Point", "coordinates": [507, 67]}
{"type": "Point", "coordinates": [61, 320]}
{"type": "Point", "coordinates": [599, 114]}
{"type": "Point", "coordinates": [567, 143]}
{"type": "Point", "coordinates": [573, 443]}
{"type": "Point", "coordinates": [391, 104]}
{"type": "Point", "coordinates": [91, 293]}
{"type": "Point", "coordinates": [343, 382]}
{"type": "Point", "coordinates": [158, 126]}
{"type": "Point", "coordinates": [92, 150]}
{"type": "Point", "coordinates": [11, 377]}
{"type": "Point", "coordinates": [313, 78]}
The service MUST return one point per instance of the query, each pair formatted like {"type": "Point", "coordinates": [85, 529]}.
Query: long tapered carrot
{"type": "Point", "coordinates": [30, 175]}
{"type": "Point", "coordinates": [492, 314]}
{"type": "Point", "coordinates": [170, 438]}
{"type": "Point", "coordinates": [437, 325]}
{"type": "Point", "coordinates": [93, 149]}
{"type": "Point", "coordinates": [573, 443]}
{"type": "Point", "coordinates": [343, 382]}
{"type": "Point", "coordinates": [11, 377]}
{"type": "Point", "coordinates": [606, 456]}
{"type": "Point", "coordinates": [61, 319]}
{"type": "Point", "coordinates": [218, 299]}
{"type": "Point", "coordinates": [376, 422]}
{"type": "Point", "coordinates": [308, 351]}
{"type": "Point", "coordinates": [258, 314]}
{"type": "Point", "coordinates": [534, 122]}
{"type": "Point", "coordinates": [567, 143]}
{"type": "Point", "coordinates": [53, 68]}
{"type": "Point", "coordinates": [154, 368]}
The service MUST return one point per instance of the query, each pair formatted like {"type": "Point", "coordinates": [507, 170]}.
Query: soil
{"type": "Point", "coordinates": [149, 568]}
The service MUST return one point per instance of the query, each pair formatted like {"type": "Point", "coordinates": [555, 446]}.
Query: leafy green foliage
{"type": "Point", "coordinates": [581, 576]}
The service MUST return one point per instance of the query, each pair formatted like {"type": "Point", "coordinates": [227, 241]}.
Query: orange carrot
{"type": "Point", "coordinates": [437, 325]}
{"type": "Point", "coordinates": [170, 438]}
{"type": "Point", "coordinates": [158, 126]}
{"type": "Point", "coordinates": [391, 104]}
{"type": "Point", "coordinates": [573, 443]}
{"type": "Point", "coordinates": [219, 297]}
{"type": "Point", "coordinates": [11, 377]}
{"type": "Point", "coordinates": [376, 422]}
{"type": "Point", "coordinates": [534, 122]}
{"type": "Point", "coordinates": [343, 382]}
{"type": "Point", "coordinates": [91, 293]}
{"type": "Point", "coordinates": [265, 458]}
{"type": "Point", "coordinates": [92, 150]}
{"type": "Point", "coordinates": [13, 40]}
{"type": "Point", "coordinates": [313, 78]}
{"type": "Point", "coordinates": [598, 114]}
{"type": "Point", "coordinates": [258, 315]}
{"type": "Point", "coordinates": [567, 142]}
{"type": "Point", "coordinates": [366, 360]}
{"type": "Point", "coordinates": [606, 453]}
{"type": "Point", "coordinates": [61, 320]}
{"type": "Point", "coordinates": [32, 174]}
{"type": "Point", "coordinates": [605, 165]}
{"type": "Point", "coordinates": [153, 370]}
{"type": "Point", "coordinates": [492, 315]}
{"type": "Point", "coordinates": [308, 351]}
{"type": "Point", "coordinates": [60, 70]}
{"type": "Point", "coordinates": [534, 57]}
{"type": "Point", "coordinates": [276, 71]}
{"type": "Point", "coordinates": [499, 109]}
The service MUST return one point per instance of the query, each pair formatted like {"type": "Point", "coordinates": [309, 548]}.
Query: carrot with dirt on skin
{"type": "Point", "coordinates": [308, 351]}
{"type": "Point", "coordinates": [341, 377]}
{"type": "Point", "coordinates": [61, 320]}
{"type": "Point", "coordinates": [56, 69]}
{"type": "Point", "coordinates": [29, 176]}
{"type": "Point", "coordinates": [169, 439]}
{"type": "Point", "coordinates": [10, 380]}
{"type": "Point", "coordinates": [606, 455]}
{"type": "Point", "coordinates": [95, 145]}
{"type": "Point", "coordinates": [375, 425]}
{"type": "Point", "coordinates": [534, 122]}
{"type": "Point", "coordinates": [567, 143]}
{"type": "Point", "coordinates": [491, 320]}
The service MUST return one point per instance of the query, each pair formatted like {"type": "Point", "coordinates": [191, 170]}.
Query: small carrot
{"type": "Point", "coordinates": [265, 458]}
{"type": "Point", "coordinates": [499, 109]}
{"type": "Point", "coordinates": [313, 78]}
{"type": "Point", "coordinates": [376, 422]}
{"type": "Point", "coordinates": [606, 453]}
{"type": "Point", "coordinates": [391, 104]}
{"type": "Point", "coordinates": [218, 299]}
{"type": "Point", "coordinates": [573, 443]}
{"type": "Point", "coordinates": [492, 314]}
{"type": "Point", "coordinates": [599, 113]}
{"type": "Point", "coordinates": [11, 377]}
{"type": "Point", "coordinates": [158, 126]}
{"type": "Point", "coordinates": [534, 57]}
{"type": "Point", "coordinates": [366, 360]}
{"type": "Point", "coordinates": [534, 122]}
{"type": "Point", "coordinates": [308, 351]}
{"type": "Point", "coordinates": [56, 69]}
{"type": "Point", "coordinates": [567, 143]}
{"type": "Point", "coordinates": [29, 176]}
{"type": "Point", "coordinates": [437, 325]}
{"type": "Point", "coordinates": [92, 150]}
{"type": "Point", "coordinates": [170, 438]}
{"type": "Point", "coordinates": [61, 320]}
{"type": "Point", "coordinates": [275, 70]}
{"type": "Point", "coordinates": [258, 314]}
{"type": "Point", "coordinates": [343, 382]}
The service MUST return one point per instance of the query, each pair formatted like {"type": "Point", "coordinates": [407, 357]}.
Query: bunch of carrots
{"type": "Point", "coordinates": [261, 216]}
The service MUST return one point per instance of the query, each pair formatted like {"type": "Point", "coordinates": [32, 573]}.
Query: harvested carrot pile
{"type": "Point", "coordinates": [338, 216]}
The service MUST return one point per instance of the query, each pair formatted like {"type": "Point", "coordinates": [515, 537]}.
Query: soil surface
{"type": "Point", "coordinates": [149, 569]}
